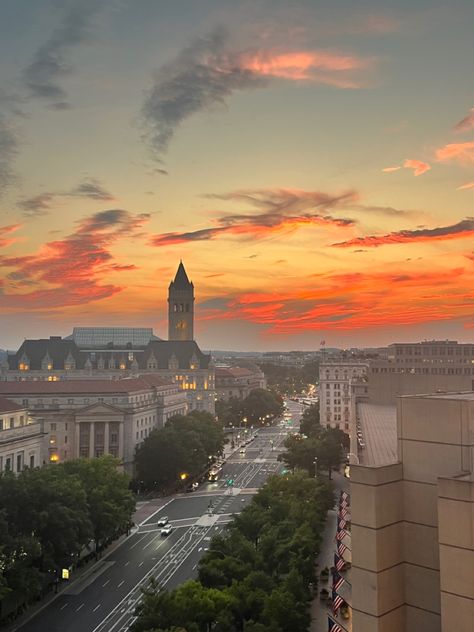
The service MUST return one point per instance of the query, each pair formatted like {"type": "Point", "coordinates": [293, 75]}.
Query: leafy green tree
{"type": "Point", "coordinates": [261, 403]}
{"type": "Point", "coordinates": [110, 502]}
{"type": "Point", "coordinates": [310, 424]}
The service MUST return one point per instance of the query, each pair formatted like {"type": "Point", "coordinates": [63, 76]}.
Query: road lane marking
{"type": "Point", "coordinates": [77, 609]}
{"type": "Point", "coordinates": [141, 564]}
{"type": "Point", "coordinates": [122, 582]}
{"type": "Point", "coordinates": [96, 608]}
{"type": "Point", "coordinates": [65, 606]}
{"type": "Point", "coordinates": [127, 563]}
{"type": "Point", "coordinates": [104, 585]}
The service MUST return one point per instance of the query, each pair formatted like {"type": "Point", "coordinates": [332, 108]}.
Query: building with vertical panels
{"type": "Point", "coordinates": [335, 392]}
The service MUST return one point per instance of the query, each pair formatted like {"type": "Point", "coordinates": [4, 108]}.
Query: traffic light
{"type": "Point", "coordinates": [229, 482]}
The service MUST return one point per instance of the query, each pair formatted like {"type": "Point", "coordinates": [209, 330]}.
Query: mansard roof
{"type": "Point", "coordinates": [121, 337]}
{"type": "Point", "coordinates": [181, 281]}
{"type": "Point", "coordinates": [86, 387]}
{"type": "Point", "coordinates": [59, 349]}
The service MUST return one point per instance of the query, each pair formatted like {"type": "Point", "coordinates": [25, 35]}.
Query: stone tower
{"type": "Point", "coordinates": [181, 307]}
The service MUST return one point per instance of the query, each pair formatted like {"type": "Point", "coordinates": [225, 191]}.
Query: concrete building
{"type": "Point", "coordinates": [335, 393]}
{"type": "Point", "coordinates": [238, 382]}
{"type": "Point", "coordinates": [119, 352]}
{"type": "Point", "coordinates": [89, 418]}
{"type": "Point", "coordinates": [21, 437]}
{"type": "Point", "coordinates": [422, 367]}
{"type": "Point", "coordinates": [412, 503]}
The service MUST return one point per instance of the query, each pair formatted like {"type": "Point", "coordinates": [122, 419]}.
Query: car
{"type": "Point", "coordinates": [162, 521]}
{"type": "Point", "coordinates": [167, 529]}
{"type": "Point", "coordinates": [242, 450]}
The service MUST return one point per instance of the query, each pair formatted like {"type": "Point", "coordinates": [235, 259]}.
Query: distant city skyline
{"type": "Point", "coordinates": [310, 162]}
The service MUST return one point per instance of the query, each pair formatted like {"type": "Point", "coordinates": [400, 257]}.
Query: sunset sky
{"type": "Point", "coordinates": [312, 164]}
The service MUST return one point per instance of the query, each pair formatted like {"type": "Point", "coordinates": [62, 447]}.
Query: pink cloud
{"type": "Point", "coordinates": [467, 186]}
{"type": "Point", "coordinates": [462, 153]}
{"type": "Point", "coordinates": [467, 122]}
{"type": "Point", "coordinates": [7, 230]}
{"type": "Point", "coordinates": [419, 167]}
{"type": "Point", "coordinates": [390, 169]}
{"type": "Point", "coordinates": [70, 271]}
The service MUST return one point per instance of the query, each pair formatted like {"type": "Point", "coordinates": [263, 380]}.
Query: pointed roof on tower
{"type": "Point", "coordinates": [181, 281]}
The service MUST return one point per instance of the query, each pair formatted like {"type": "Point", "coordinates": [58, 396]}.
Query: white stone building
{"type": "Point", "coordinates": [335, 392]}
{"type": "Point", "coordinates": [89, 418]}
{"type": "Point", "coordinates": [21, 438]}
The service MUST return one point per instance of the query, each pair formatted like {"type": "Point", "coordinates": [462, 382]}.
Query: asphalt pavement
{"type": "Point", "coordinates": [104, 598]}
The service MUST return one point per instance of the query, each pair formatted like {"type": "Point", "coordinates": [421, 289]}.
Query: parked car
{"type": "Point", "coordinates": [167, 529]}
{"type": "Point", "coordinates": [162, 521]}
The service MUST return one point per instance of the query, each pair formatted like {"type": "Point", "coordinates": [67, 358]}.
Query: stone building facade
{"type": "Point", "coordinates": [238, 382]}
{"type": "Point", "coordinates": [89, 418]}
{"type": "Point", "coordinates": [21, 437]}
{"type": "Point", "coordinates": [336, 393]}
{"type": "Point", "coordinates": [413, 518]}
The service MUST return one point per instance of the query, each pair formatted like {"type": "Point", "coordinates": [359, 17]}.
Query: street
{"type": "Point", "coordinates": [104, 598]}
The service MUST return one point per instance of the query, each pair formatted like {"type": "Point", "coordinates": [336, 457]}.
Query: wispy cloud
{"type": "Point", "coordinates": [8, 152]}
{"type": "Point", "coordinates": [51, 61]}
{"type": "Point", "coordinates": [40, 204]}
{"type": "Point", "coordinates": [271, 211]}
{"type": "Point", "coordinates": [467, 122]}
{"type": "Point", "coordinates": [460, 230]}
{"type": "Point", "coordinates": [418, 166]}
{"type": "Point", "coordinates": [352, 301]}
{"type": "Point", "coordinates": [461, 153]}
{"type": "Point", "coordinates": [467, 186]}
{"type": "Point", "coordinates": [5, 232]}
{"type": "Point", "coordinates": [71, 271]}
{"type": "Point", "coordinates": [208, 72]}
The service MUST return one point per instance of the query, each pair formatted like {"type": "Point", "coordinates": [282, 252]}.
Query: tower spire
{"type": "Point", "coordinates": [181, 306]}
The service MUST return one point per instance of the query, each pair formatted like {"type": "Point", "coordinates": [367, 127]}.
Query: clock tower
{"type": "Point", "coordinates": [181, 307]}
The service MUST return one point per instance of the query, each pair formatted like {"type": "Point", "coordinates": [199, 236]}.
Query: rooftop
{"type": "Point", "coordinates": [379, 433]}
{"type": "Point", "coordinates": [64, 387]}
{"type": "Point", "coordinates": [90, 337]}
{"type": "Point", "coordinates": [7, 406]}
{"type": "Point", "coordinates": [467, 396]}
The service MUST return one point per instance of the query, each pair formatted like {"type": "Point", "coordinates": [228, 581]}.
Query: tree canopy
{"type": "Point", "coordinates": [256, 575]}
{"type": "Point", "coordinates": [260, 407]}
{"type": "Point", "coordinates": [184, 447]}
{"type": "Point", "coordinates": [48, 515]}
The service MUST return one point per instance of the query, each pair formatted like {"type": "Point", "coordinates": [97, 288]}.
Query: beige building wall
{"type": "Point", "coordinates": [413, 523]}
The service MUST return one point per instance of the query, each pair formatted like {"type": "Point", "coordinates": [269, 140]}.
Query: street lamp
{"type": "Point", "coordinates": [315, 463]}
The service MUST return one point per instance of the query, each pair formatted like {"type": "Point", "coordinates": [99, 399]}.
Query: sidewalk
{"type": "Point", "coordinates": [319, 610]}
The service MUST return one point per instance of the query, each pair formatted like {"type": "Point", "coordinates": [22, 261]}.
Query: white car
{"type": "Point", "coordinates": [167, 529]}
{"type": "Point", "coordinates": [162, 521]}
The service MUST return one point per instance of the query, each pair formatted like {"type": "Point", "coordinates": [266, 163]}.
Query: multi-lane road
{"type": "Point", "coordinates": [104, 598]}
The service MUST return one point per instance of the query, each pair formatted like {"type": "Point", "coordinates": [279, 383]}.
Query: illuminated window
{"type": "Point", "coordinates": [24, 366]}
{"type": "Point", "coordinates": [54, 457]}
{"type": "Point", "coordinates": [123, 366]}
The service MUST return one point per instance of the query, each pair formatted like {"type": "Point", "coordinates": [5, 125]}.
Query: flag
{"type": "Point", "coordinates": [333, 626]}
{"type": "Point", "coordinates": [322, 343]}
{"type": "Point", "coordinates": [340, 535]}
{"type": "Point", "coordinates": [343, 512]}
{"type": "Point", "coordinates": [337, 602]}
{"type": "Point", "coordinates": [341, 523]}
{"type": "Point", "coordinates": [338, 562]}
{"type": "Point", "coordinates": [341, 548]}
{"type": "Point", "coordinates": [343, 505]}
{"type": "Point", "coordinates": [337, 581]}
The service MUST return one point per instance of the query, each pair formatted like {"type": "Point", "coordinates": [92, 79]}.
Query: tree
{"type": "Point", "coordinates": [310, 424]}
{"type": "Point", "coordinates": [109, 499]}
{"type": "Point", "coordinates": [261, 405]}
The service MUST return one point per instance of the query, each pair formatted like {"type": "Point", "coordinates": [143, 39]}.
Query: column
{"type": "Point", "coordinates": [121, 450]}
{"type": "Point", "coordinates": [91, 440]}
{"type": "Point", "coordinates": [106, 437]}
{"type": "Point", "coordinates": [77, 439]}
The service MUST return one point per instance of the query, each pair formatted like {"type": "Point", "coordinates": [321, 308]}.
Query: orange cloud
{"type": "Point", "coordinates": [461, 230]}
{"type": "Point", "coordinates": [390, 169]}
{"type": "Point", "coordinates": [419, 167]}
{"type": "Point", "coordinates": [467, 123]}
{"type": "Point", "coordinates": [70, 271]}
{"type": "Point", "coordinates": [310, 66]}
{"type": "Point", "coordinates": [467, 186]}
{"type": "Point", "coordinates": [7, 230]}
{"type": "Point", "coordinates": [354, 301]}
{"type": "Point", "coordinates": [462, 153]}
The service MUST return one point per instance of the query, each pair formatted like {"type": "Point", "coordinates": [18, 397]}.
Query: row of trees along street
{"type": "Point", "coordinates": [258, 575]}
{"type": "Point", "coordinates": [261, 406]}
{"type": "Point", "coordinates": [178, 453]}
{"type": "Point", "coordinates": [49, 515]}
{"type": "Point", "coordinates": [315, 448]}
{"type": "Point", "coordinates": [290, 380]}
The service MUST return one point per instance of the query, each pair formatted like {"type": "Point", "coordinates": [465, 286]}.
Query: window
{"type": "Point", "coordinates": [19, 462]}
{"type": "Point", "coordinates": [32, 461]}
{"type": "Point", "coordinates": [52, 427]}
{"type": "Point", "coordinates": [70, 401]}
{"type": "Point", "coordinates": [65, 439]}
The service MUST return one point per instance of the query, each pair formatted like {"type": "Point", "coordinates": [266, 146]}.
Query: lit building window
{"type": "Point", "coordinates": [123, 366]}
{"type": "Point", "coordinates": [54, 457]}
